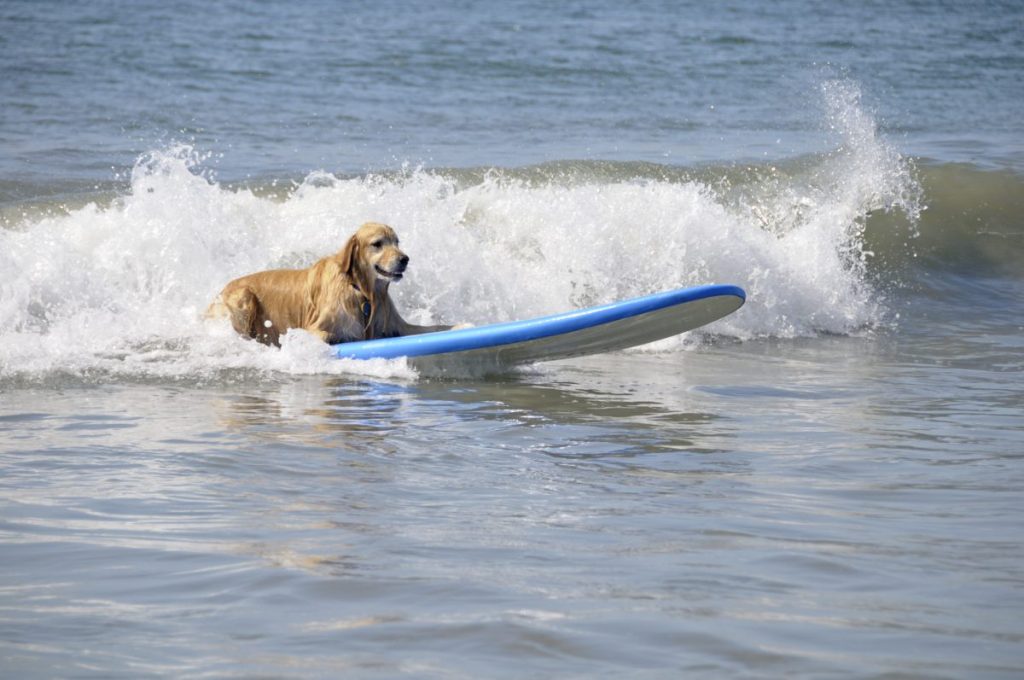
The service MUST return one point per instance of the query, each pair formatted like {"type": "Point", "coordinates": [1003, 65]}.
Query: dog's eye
{"type": "Point", "coordinates": [377, 244]}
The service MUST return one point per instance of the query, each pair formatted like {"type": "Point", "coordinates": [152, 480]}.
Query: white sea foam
{"type": "Point", "coordinates": [119, 290]}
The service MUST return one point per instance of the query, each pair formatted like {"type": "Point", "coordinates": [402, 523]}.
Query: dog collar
{"type": "Point", "coordinates": [365, 307]}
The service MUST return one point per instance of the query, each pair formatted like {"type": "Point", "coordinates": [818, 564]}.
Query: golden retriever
{"type": "Point", "coordinates": [342, 297]}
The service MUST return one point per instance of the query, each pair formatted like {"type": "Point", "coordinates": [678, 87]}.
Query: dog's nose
{"type": "Point", "coordinates": [403, 261]}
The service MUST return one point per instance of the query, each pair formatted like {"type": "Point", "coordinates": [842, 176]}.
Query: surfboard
{"type": "Point", "coordinates": [575, 333]}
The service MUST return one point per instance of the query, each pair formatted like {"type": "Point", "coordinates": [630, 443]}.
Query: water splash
{"type": "Point", "coordinates": [118, 290]}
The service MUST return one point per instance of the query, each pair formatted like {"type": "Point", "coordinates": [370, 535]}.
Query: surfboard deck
{"type": "Point", "coordinates": [575, 333]}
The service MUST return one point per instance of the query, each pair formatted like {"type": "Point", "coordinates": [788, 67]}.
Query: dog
{"type": "Point", "coordinates": [342, 297]}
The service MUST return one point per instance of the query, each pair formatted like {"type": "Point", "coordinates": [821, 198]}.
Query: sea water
{"type": "Point", "coordinates": [826, 483]}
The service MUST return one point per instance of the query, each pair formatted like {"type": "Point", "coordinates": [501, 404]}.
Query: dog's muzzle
{"type": "Point", "coordinates": [394, 274]}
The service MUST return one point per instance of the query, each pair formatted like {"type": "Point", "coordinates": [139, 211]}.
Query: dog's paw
{"type": "Point", "coordinates": [460, 326]}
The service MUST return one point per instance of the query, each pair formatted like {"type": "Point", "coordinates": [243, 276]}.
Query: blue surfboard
{"type": "Point", "coordinates": [580, 332]}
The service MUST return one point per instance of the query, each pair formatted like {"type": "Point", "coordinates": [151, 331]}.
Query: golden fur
{"type": "Point", "coordinates": [340, 298]}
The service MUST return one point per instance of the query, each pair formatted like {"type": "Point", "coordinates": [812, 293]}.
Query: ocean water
{"type": "Point", "coordinates": [826, 484]}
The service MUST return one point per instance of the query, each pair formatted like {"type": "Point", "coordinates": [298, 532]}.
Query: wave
{"type": "Point", "coordinates": [971, 223]}
{"type": "Point", "coordinates": [114, 286]}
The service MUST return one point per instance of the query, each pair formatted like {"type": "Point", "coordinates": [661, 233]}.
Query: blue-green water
{"type": "Point", "coordinates": [825, 484]}
{"type": "Point", "coordinates": [279, 89]}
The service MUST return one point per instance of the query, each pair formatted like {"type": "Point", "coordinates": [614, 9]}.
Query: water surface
{"type": "Point", "coordinates": [825, 484]}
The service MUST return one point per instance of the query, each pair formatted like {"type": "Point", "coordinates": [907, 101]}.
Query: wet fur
{"type": "Point", "coordinates": [327, 298]}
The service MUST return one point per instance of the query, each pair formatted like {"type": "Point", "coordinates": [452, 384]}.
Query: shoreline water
{"type": "Point", "coordinates": [811, 505]}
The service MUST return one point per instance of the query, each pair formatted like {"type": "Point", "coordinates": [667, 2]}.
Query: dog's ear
{"type": "Point", "coordinates": [349, 255]}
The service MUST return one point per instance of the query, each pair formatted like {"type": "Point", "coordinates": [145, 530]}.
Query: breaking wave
{"type": "Point", "coordinates": [115, 286]}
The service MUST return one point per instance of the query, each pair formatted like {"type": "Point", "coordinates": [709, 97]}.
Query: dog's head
{"type": "Point", "coordinates": [372, 256]}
